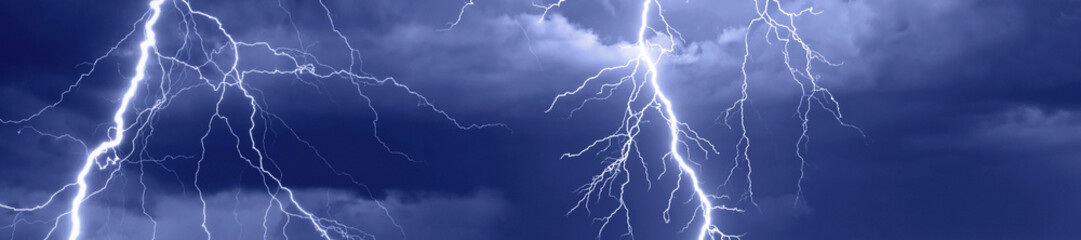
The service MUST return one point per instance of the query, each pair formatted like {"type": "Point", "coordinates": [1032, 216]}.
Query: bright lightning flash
{"type": "Point", "coordinates": [655, 40]}
{"type": "Point", "coordinates": [202, 63]}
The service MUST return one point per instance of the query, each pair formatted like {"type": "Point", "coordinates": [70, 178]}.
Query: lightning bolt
{"type": "Point", "coordinates": [196, 65]}
{"type": "Point", "coordinates": [647, 96]}
{"type": "Point", "coordinates": [118, 118]}
{"type": "Point", "coordinates": [451, 25]}
{"type": "Point", "coordinates": [650, 52]}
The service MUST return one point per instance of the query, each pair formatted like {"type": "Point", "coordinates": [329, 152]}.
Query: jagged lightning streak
{"type": "Point", "coordinates": [680, 134]}
{"type": "Point", "coordinates": [201, 69]}
{"type": "Point", "coordinates": [149, 40]}
{"type": "Point", "coordinates": [673, 125]}
{"type": "Point", "coordinates": [648, 57]}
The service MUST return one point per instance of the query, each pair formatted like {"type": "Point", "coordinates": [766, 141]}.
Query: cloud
{"type": "Point", "coordinates": [1028, 130]}
{"type": "Point", "coordinates": [512, 41]}
{"type": "Point", "coordinates": [430, 216]}
{"type": "Point", "coordinates": [245, 215]}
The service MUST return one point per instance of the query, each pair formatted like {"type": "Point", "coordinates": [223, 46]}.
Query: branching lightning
{"type": "Point", "coordinates": [650, 52]}
{"type": "Point", "coordinates": [206, 62]}
{"type": "Point", "coordinates": [656, 38]}
{"type": "Point", "coordinates": [210, 59]}
{"type": "Point", "coordinates": [118, 118]}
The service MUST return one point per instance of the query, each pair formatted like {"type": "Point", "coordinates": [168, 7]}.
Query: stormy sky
{"type": "Point", "coordinates": [968, 115]}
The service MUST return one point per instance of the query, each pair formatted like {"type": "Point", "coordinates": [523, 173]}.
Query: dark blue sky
{"type": "Point", "coordinates": [971, 111]}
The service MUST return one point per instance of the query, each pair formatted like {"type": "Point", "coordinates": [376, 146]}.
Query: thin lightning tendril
{"type": "Point", "coordinates": [461, 12]}
{"type": "Point", "coordinates": [177, 72]}
{"type": "Point", "coordinates": [783, 29]}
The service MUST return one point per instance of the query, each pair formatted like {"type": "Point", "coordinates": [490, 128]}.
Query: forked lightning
{"type": "Point", "coordinates": [202, 63]}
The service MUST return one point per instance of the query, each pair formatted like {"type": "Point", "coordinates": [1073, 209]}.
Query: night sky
{"type": "Point", "coordinates": [965, 120]}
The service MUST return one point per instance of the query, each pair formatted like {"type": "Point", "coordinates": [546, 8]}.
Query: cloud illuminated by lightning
{"type": "Point", "coordinates": [201, 62]}
{"type": "Point", "coordinates": [656, 38]}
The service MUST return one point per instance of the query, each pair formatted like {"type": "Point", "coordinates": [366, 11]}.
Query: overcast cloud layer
{"type": "Point", "coordinates": [971, 111]}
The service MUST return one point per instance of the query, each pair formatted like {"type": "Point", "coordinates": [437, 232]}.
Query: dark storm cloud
{"type": "Point", "coordinates": [971, 108]}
